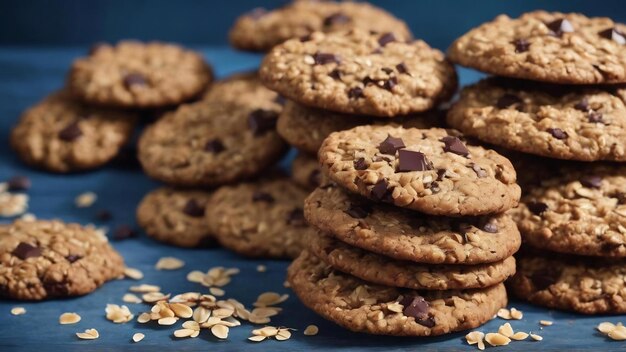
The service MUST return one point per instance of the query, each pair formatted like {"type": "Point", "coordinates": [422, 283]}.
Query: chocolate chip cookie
{"type": "Point", "coordinates": [547, 46]}
{"type": "Point", "coordinates": [382, 310]}
{"type": "Point", "coordinates": [306, 128]}
{"type": "Point", "coordinates": [408, 235]}
{"type": "Point", "coordinates": [49, 259]}
{"type": "Point", "coordinates": [260, 219]}
{"type": "Point", "coordinates": [305, 171]}
{"type": "Point", "coordinates": [587, 123]}
{"type": "Point", "coordinates": [429, 170]}
{"type": "Point", "coordinates": [176, 217]}
{"type": "Point", "coordinates": [359, 72]}
{"type": "Point", "coordinates": [61, 134]}
{"type": "Point", "coordinates": [387, 271]}
{"type": "Point", "coordinates": [215, 141]}
{"type": "Point", "coordinates": [260, 29]}
{"type": "Point", "coordinates": [139, 75]}
{"type": "Point", "coordinates": [582, 284]}
{"type": "Point", "coordinates": [583, 212]}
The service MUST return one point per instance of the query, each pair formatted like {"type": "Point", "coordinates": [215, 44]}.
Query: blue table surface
{"type": "Point", "coordinates": [27, 75]}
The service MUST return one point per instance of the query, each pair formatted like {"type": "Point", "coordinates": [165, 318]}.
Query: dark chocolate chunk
{"type": "Point", "coordinates": [591, 181]}
{"type": "Point", "coordinates": [387, 70]}
{"type": "Point", "coordinates": [390, 145]}
{"type": "Point", "coordinates": [614, 34]}
{"type": "Point", "coordinates": [412, 161]}
{"type": "Point", "coordinates": [537, 208]}
{"type": "Point", "coordinates": [305, 38]}
{"type": "Point", "coordinates": [386, 39]}
{"type": "Point", "coordinates": [560, 26]}
{"type": "Point", "coordinates": [360, 164]}
{"type": "Point", "coordinates": [214, 146]}
{"type": "Point", "coordinates": [557, 133]}
{"type": "Point", "coordinates": [336, 19]}
{"type": "Point", "coordinates": [454, 145]}
{"type": "Point", "coordinates": [521, 45]}
{"type": "Point", "coordinates": [25, 251]}
{"type": "Point", "coordinates": [595, 117]}
{"type": "Point", "coordinates": [262, 121]}
{"type": "Point", "coordinates": [135, 79]}
{"type": "Point", "coordinates": [417, 307]}
{"type": "Point", "coordinates": [390, 83]}
{"type": "Point", "coordinates": [18, 183]}
{"type": "Point", "coordinates": [441, 173]}
{"type": "Point", "coordinates": [296, 218]}
{"type": "Point", "coordinates": [355, 93]}
{"type": "Point", "coordinates": [260, 196]}
{"type": "Point", "coordinates": [72, 258]}
{"type": "Point", "coordinates": [325, 58]}
{"type": "Point", "coordinates": [124, 232]}
{"type": "Point", "coordinates": [193, 209]}
{"type": "Point", "coordinates": [621, 197]}
{"type": "Point", "coordinates": [335, 74]}
{"type": "Point", "coordinates": [71, 132]}
{"type": "Point", "coordinates": [480, 172]}
{"type": "Point", "coordinates": [582, 105]}
{"type": "Point", "coordinates": [380, 191]}
{"type": "Point", "coordinates": [359, 211]}
{"type": "Point", "coordinates": [402, 68]}
{"type": "Point", "coordinates": [315, 178]}
{"type": "Point", "coordinates": [508, 100]}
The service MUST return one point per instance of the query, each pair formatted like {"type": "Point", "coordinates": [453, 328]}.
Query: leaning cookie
{"type": "Point", "coordinates": [305, 171]}
{"type": "Point", "coordinates": [262, 219]}
{"type": "Point", "coordinates": [360, 306]}
{"type": "Point", "coordinates": [546, 46]}
{"type": "Point", "coordinates": [260, 30]}
{"type": "Point", "coordinates": [583, 212]}
{"type": "Point", "coordinates": [176, 217]}
{"type": "Point", "coordinates": [215, 141]}
{"type": "Point", "coordinates": [564, 122]}
{"type": "Point", "coordinates": [50, 259]}
{"type": "Point", "coordinates": [139, 75]}
{"type": "Point", "coordinates": [429, 170]}
{"type": "Point", "coordinates": [358, 72]}
{"type": "Point", "coordinates": [61, 134]}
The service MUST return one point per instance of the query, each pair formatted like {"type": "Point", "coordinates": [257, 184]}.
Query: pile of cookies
{"type": "Point", "coordinates": [570, 109]}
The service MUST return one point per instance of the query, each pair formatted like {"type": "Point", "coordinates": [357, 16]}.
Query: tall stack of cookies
{"type": "Point", "coordinates": [571, 111]}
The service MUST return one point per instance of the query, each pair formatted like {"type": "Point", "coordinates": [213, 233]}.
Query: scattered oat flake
{"type": "Point", "coordinates": [256, 338]}
{"type": "Point", "coordinates": [216, 291]}
{"type": "Point", "coordinates": [519, 336]}
{"type": "Point", "coordinates": [18, 310]}
{"type": "Point", "coordinates": [270, 299]}
{"type": "Point", "coordinates": [504, 313]}
{"type": "Point", "coordinates": [613, 331]}
{"type": "Point", "coordinates": [145, 288]}
{"type": "Point", "coordinates": [220, 331]}
{"type": "Point", "coordinates": [89, 334]}
{"type": "Point", "coordinates": [118, 314]}
{"type": "Point", "coordinates": [13, 204]}
{"type": "Point", "coordinates": [85, 200]}
{"type": "Point", "coordinates": [545, 322]}
{"type": "Point", "coordinates": [169, 263]}
{"type": "Point", "coordinates": [131, 298]}
{"type": "Point", "coordinates": [605, 327]}
{"type": "Point", "coordinates": [69, 318]}
{"type": "Point", "coordinates": [311, 330]}
{"type": "Point", "coordinates": [497, 339]}
{"type": "Point", "coordinates": [506, 330]}
{"type": "Point", "coordinates": [536, 337]}
{"type": "Point", "coordinates": [516, 314]}
{"type": "Point", "coordinates": [138, 337]}
{"type": "Point", "coordinates": [476, 338]}
{"type": "Point", "coordinates": [133, 273]}
{"type": "Point", "coordinates": [261, 268]}
{"type": "Point", "coordinates": [152, 297]}
{"type": "Point", "coordinates": [167, 321]}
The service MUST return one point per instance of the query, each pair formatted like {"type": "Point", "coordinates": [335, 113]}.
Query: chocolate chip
{"type": "Point", "coordinates": [257, 13]}
{"type": "Point", "coordinates": [412, 161]}
{"type": "Point", "coordinates": [262, 121]}
{"type": "Point", "coordinates": [135, 79]}
{"type": "Point", "coordinates": [621, 197]}
{"type": "Point", "coordinates": [377, 51]}
{"type": "Point", "coordinates": [390, 145]}
{"type": "Point", "coordinates": [305, 38]}
{"type": "Point", "coordinates": [71, 132]}
{"type": "Point", "coordinates": [367, 81]}
{"type": "Point", "coordinates": [614, 34]}
{"type": "Point", "coordinates": [315, 178]}
{"type": "Point", "coordinates": [390, 83]}
{"type": "Point", "coordinates": [386, 39]}
{"type": "Point", "coordinates": [545, 278]}
{"type": "Point", "coordinates": [214, 146]}
{"type": "Point", "coordinates": [591, 181]}
{"type": "Point", "coordinates": [595, 117]}
{"type": "Point", "coordinates": [336, 19]}
{"type": "Point", "coordinates": [325, 58]}
{"type": "Point", "coordinates": [124, 232]}
{"type": "Point", "coordinates": [417, 307]}
{"type": "Point", "coordinates": [537, 208]}
{"type": "Point", "coordinates": [521, 45]}
{"type": "Point", "coordinates": [490, 227]}
{"type": "Point", "coordinates": [260, 196]}
{"type": "Point", "coordinates": [380, 191]}
{"type": "Point", "coordinates": [335, 74]}
{"type": "Point", "coordinates": [560, 26]}
{"type": "Point", "coordinates": [508, 100]}
{"type": "Point", "coordinates": [104, 215]}
{"type": "Point", "coordinates": [454, 145]}
{"type": "Point", "coordinates": [296, 217]}
{"type": "Point", "coordinates": [402, 68]}
{"type": "Point", "coordinates": [72, 258]}
{"type": "Point", "coordinates": [360, 164]}
{"type": "Point", "coordinates": [387, 70]}
{"type": "Point", "coordinates": [557, 133]}
{"type": "Point", "coordinates": [193, 209]}
{"type": "Point", "coordinates": [25, 251]}
{"type": "Point", "coordinates": [582, 105]}
{"type": "Point", "coordinates": [480, 172]}
{"type": "Point", "coordinates": [359, 211]}
{"type": "Point", "coordinates": [56, 289]}
{"type": "Point", "coordinates": [441, 173]}
{"type": "Point", "coordinates": [355, 93]}
{"type": "Point", "coordinates": [18, 183]}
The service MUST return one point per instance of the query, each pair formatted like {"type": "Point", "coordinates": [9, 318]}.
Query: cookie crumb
{"type": "Point", "coordinates": [69, 318]}
{"type": "Point", "coordinates": [89, 334]}
{"type": "Point", "coordinates": [138, 337]}
{"type": "Point", "coordinates": [85, 200]}
{"type": "Point", "coordinates": [311, 330]}
{"type": "Point", "coordinates": [18, 310]}
{"type": "Point", "coordinates": [169, 263]}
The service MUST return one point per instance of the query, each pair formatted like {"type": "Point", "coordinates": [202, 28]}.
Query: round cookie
{"type": "Point", "coordinates": [583, 212]}
{"type": "Point", "coordinates": [241, 87]}
{"type": "Point", "coordinates": [407, 235]}
{"type": "Point", "coordinates": [215, 141]}
{"type": "Point", "coordinates": [260, 30]}
{"type": "Point", "coordinates": [139, 75]}
{"type": "Point", "coordinates": [585, 285]}
{"type": "Point", "coordinates": [428, 170]}
{"type": "Point", "coordinates": [358, 72]}
{"type": "Point", "coordinates": [382, 310]}
{"type": "Point", "coordinates": [306, 128]}
{"type": "Point", "coordinates": [261, 219]}
{"type": "Point", "coordinates": [383, 270]}
{"type": "Point", "coordinates": [546, 46]}
{"type": "Point", "coordinates": [176, 217]}
{"type": "Point", "coordinates": [586, 123]}
{"type": "Point", "coordinates": [61, 134]}
{"type": "Point", "coordinates": [305, 171]}
{"type": "Point", "coordinates": [49, 259]}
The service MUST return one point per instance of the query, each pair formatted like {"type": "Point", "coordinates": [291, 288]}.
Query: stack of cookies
{"type": "Point", "coordinates": [570, 110]}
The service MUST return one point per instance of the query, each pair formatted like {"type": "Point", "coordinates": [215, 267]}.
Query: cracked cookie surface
{"type": "Point", "coordinates": [546, 46]}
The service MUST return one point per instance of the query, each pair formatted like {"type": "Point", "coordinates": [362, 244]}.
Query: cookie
{"type": "Point", "coordinates": [546, 46]}
{"type": "Point", "coordinates": [61, 134]}
{"type": "Point", "coordinates": [263, 219]}
{"type": "Point", "coordinates": [240, 87]}
{"type": "Point", "coordinates": [383, 270]}
{"type": "Point", "coordinates": [586, 123]}
{"type": "Point", "coordinates": [582, 284]}
{"type": "Point", "coordinates": [360, 306]}
{"type": "Point", "coordinates": [260, 30]}
{"type": "Point", "coordinates": [358, 72]}
{"type": "Point", "coordinates": [583, 212]}
{"type": "Point", "coordinates": [429, 170]}
{"type": "Point", "coordinates": [139, 75]}
{"type": "Point", "coordinates": [176, 217]}
{"type": "Point", "coordinates": [408, 235]}
{"type": "Point", "coordinates": [49, 259]}
{"type": "Point", "coordinates": [305, 171]}
{"type": "Point", "coordinates": [215, 141]}
{"type": "Point", "coordinates": [306, 128]}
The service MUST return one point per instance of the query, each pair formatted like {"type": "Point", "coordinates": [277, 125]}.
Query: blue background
{"type": "Point", "coordinates": [29, 70]}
